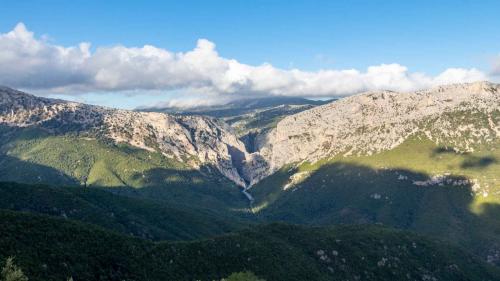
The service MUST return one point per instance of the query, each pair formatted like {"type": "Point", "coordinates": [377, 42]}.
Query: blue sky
{"type": "Point", "coordinates": [423, 36]}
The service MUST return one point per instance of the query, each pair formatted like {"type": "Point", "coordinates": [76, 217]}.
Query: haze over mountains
{"type": "Point", "coordinates": [425, 161]}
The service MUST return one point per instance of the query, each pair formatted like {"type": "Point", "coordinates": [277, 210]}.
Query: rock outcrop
{"type": "Point", "coordinates": [460, 115]}
{"type": "Point", "coordinates": [195, 140]}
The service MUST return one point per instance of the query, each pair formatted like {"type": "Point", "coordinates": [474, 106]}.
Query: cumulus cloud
{"type": "Point", "coordinates": [28, 62]}
{"type": "Point", "coordinates": [34, 63]}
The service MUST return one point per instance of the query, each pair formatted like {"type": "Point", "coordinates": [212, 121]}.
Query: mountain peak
{"type": "Point", "coordinates": [361, 125]}
{"type": "Point", "coordinates": [465, 88]}
{"type": "Point", "coordinates": [204, 139]}
{"type": "Point", "coordinates": [371, 122]}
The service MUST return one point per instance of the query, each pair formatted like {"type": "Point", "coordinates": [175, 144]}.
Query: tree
{"type": "Point", "coordinates": [10, 272]}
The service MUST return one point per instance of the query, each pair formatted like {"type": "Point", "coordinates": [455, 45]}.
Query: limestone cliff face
{"type": "Point", "coordinates": [194, 140]}
{"type": "Point", "coordinates": [461, 115]}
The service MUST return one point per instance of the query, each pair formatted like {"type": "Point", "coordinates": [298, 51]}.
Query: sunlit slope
{"type": "Point", "coordinates": [54, 249]}
{"type": "Point", "coordinates": [35, 156]}
{"type": "Point", "coordinates": [464, 117]}
{"type": "Point", "coordinates": [418, 185]}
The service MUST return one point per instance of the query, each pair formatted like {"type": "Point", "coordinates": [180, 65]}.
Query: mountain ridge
{"type": "Point", "coordinates": [366, 123]}
{"type": "Point", "coordinates": [371, 122]}
{"type": "Point", "coordinates": [229, 109]}
{"type": "Point", "coordinates": [377, 157]}
{"type": "Point", "coordinates": [195, 140]}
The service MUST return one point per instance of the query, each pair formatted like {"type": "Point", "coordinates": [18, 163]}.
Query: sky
{"type": "Point", "coordinates": [129, 54]}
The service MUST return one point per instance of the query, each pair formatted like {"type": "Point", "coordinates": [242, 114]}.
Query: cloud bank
{"type": "Point", "coordinates": [33, 63]}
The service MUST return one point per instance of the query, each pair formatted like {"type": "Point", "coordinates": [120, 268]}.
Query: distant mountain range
{"type": "Point", "coordinates": [363, 124]}
{"type": "Point", "coordinates": [239, 107]}
{"type": "Point", "coordinates": [249, 117]}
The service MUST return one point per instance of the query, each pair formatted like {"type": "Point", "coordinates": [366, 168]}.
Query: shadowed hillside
{"type": "Point", "coordinates": [142, 218]}
{"type": "Point", "coordinates": [417, 186]}
{"type": "Point", "coordinates": [53, 249]}
{"type": "Point", "coordinates": [35, 156]}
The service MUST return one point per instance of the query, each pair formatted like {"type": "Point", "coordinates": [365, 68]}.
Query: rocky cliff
{"type": "Point", "coordinates": [195, 140]}
{"type": "Point", "coordinates": [461, 116]}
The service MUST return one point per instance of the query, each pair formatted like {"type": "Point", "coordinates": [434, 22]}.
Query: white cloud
{"type": "Point", "coordinates": [32, 63]}
{"type": "Point", "coordinates": [28, 62]}
{"type": "Point", "coordinates": [459, 75]}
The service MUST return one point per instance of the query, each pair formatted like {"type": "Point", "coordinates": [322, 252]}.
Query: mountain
{"type": "Point", "coordinates": [55, 249]}
{"type": "Point", "coordinates": [460, 116]}
{"type": "Point", "coordinates": [239, 107]}
{"type": "Point", "coordinates": [65, 143]}
{"type": "Point", "coordinates": [425, 161]}
{"type": "Point", "coordinates": [194, 140]}
{"type": "Point", "coordinates": [249, 117]}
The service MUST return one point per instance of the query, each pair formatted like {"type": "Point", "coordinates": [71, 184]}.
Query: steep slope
{"type": "Point", "coordinates": [194, 140]}
{"type": "Point", "coordinates": [427, 161]}
{"type": "Point", "coordinates": [461, 116]}
{"type": "Point", "coordinates": [33, 155]}
{"type": "Point", "coordinates": [53, 249]}
{"type": "Point", "coordinates": [418, 185]}
{"type": "Point", "coordinates": [138, 217]}
{"type": "Point", "coordinates": [251, 117]}
{"type": "Point", "coordinates": [261, 120]}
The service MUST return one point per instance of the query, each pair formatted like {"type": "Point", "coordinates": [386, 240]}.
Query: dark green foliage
{"type": "Point", "coordinates": [32, 155]}
{"type": "Point", "coordinates": [192, 204]}
{"type": "Point", "coordinates": [53, 249]}
{"type": "Point", "coordinates": [143, 218]}
{"type": "Point", "coordinates": [380, 189]}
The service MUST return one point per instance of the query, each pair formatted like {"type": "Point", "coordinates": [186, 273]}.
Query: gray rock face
{"type": "Point", "coordinates": [194, 140]}
{"type": "Point", "coordinates": [460, 115]}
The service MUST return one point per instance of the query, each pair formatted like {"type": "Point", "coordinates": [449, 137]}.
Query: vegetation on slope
{"type": "Point", "coordinates": [395, 188]}
{"type": "Point", "coordinates": [142, 218]}
{"type": "Point", "coordinates": [262, 120]}
{"type": "Point", "coordinates": [53, 249]}
{"type": "Point", "coordinates": [419, 186]}
{"type": "Point", "coordinates": [250, 117]}
{"type": "Point", "coordinates": [34, 156]}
